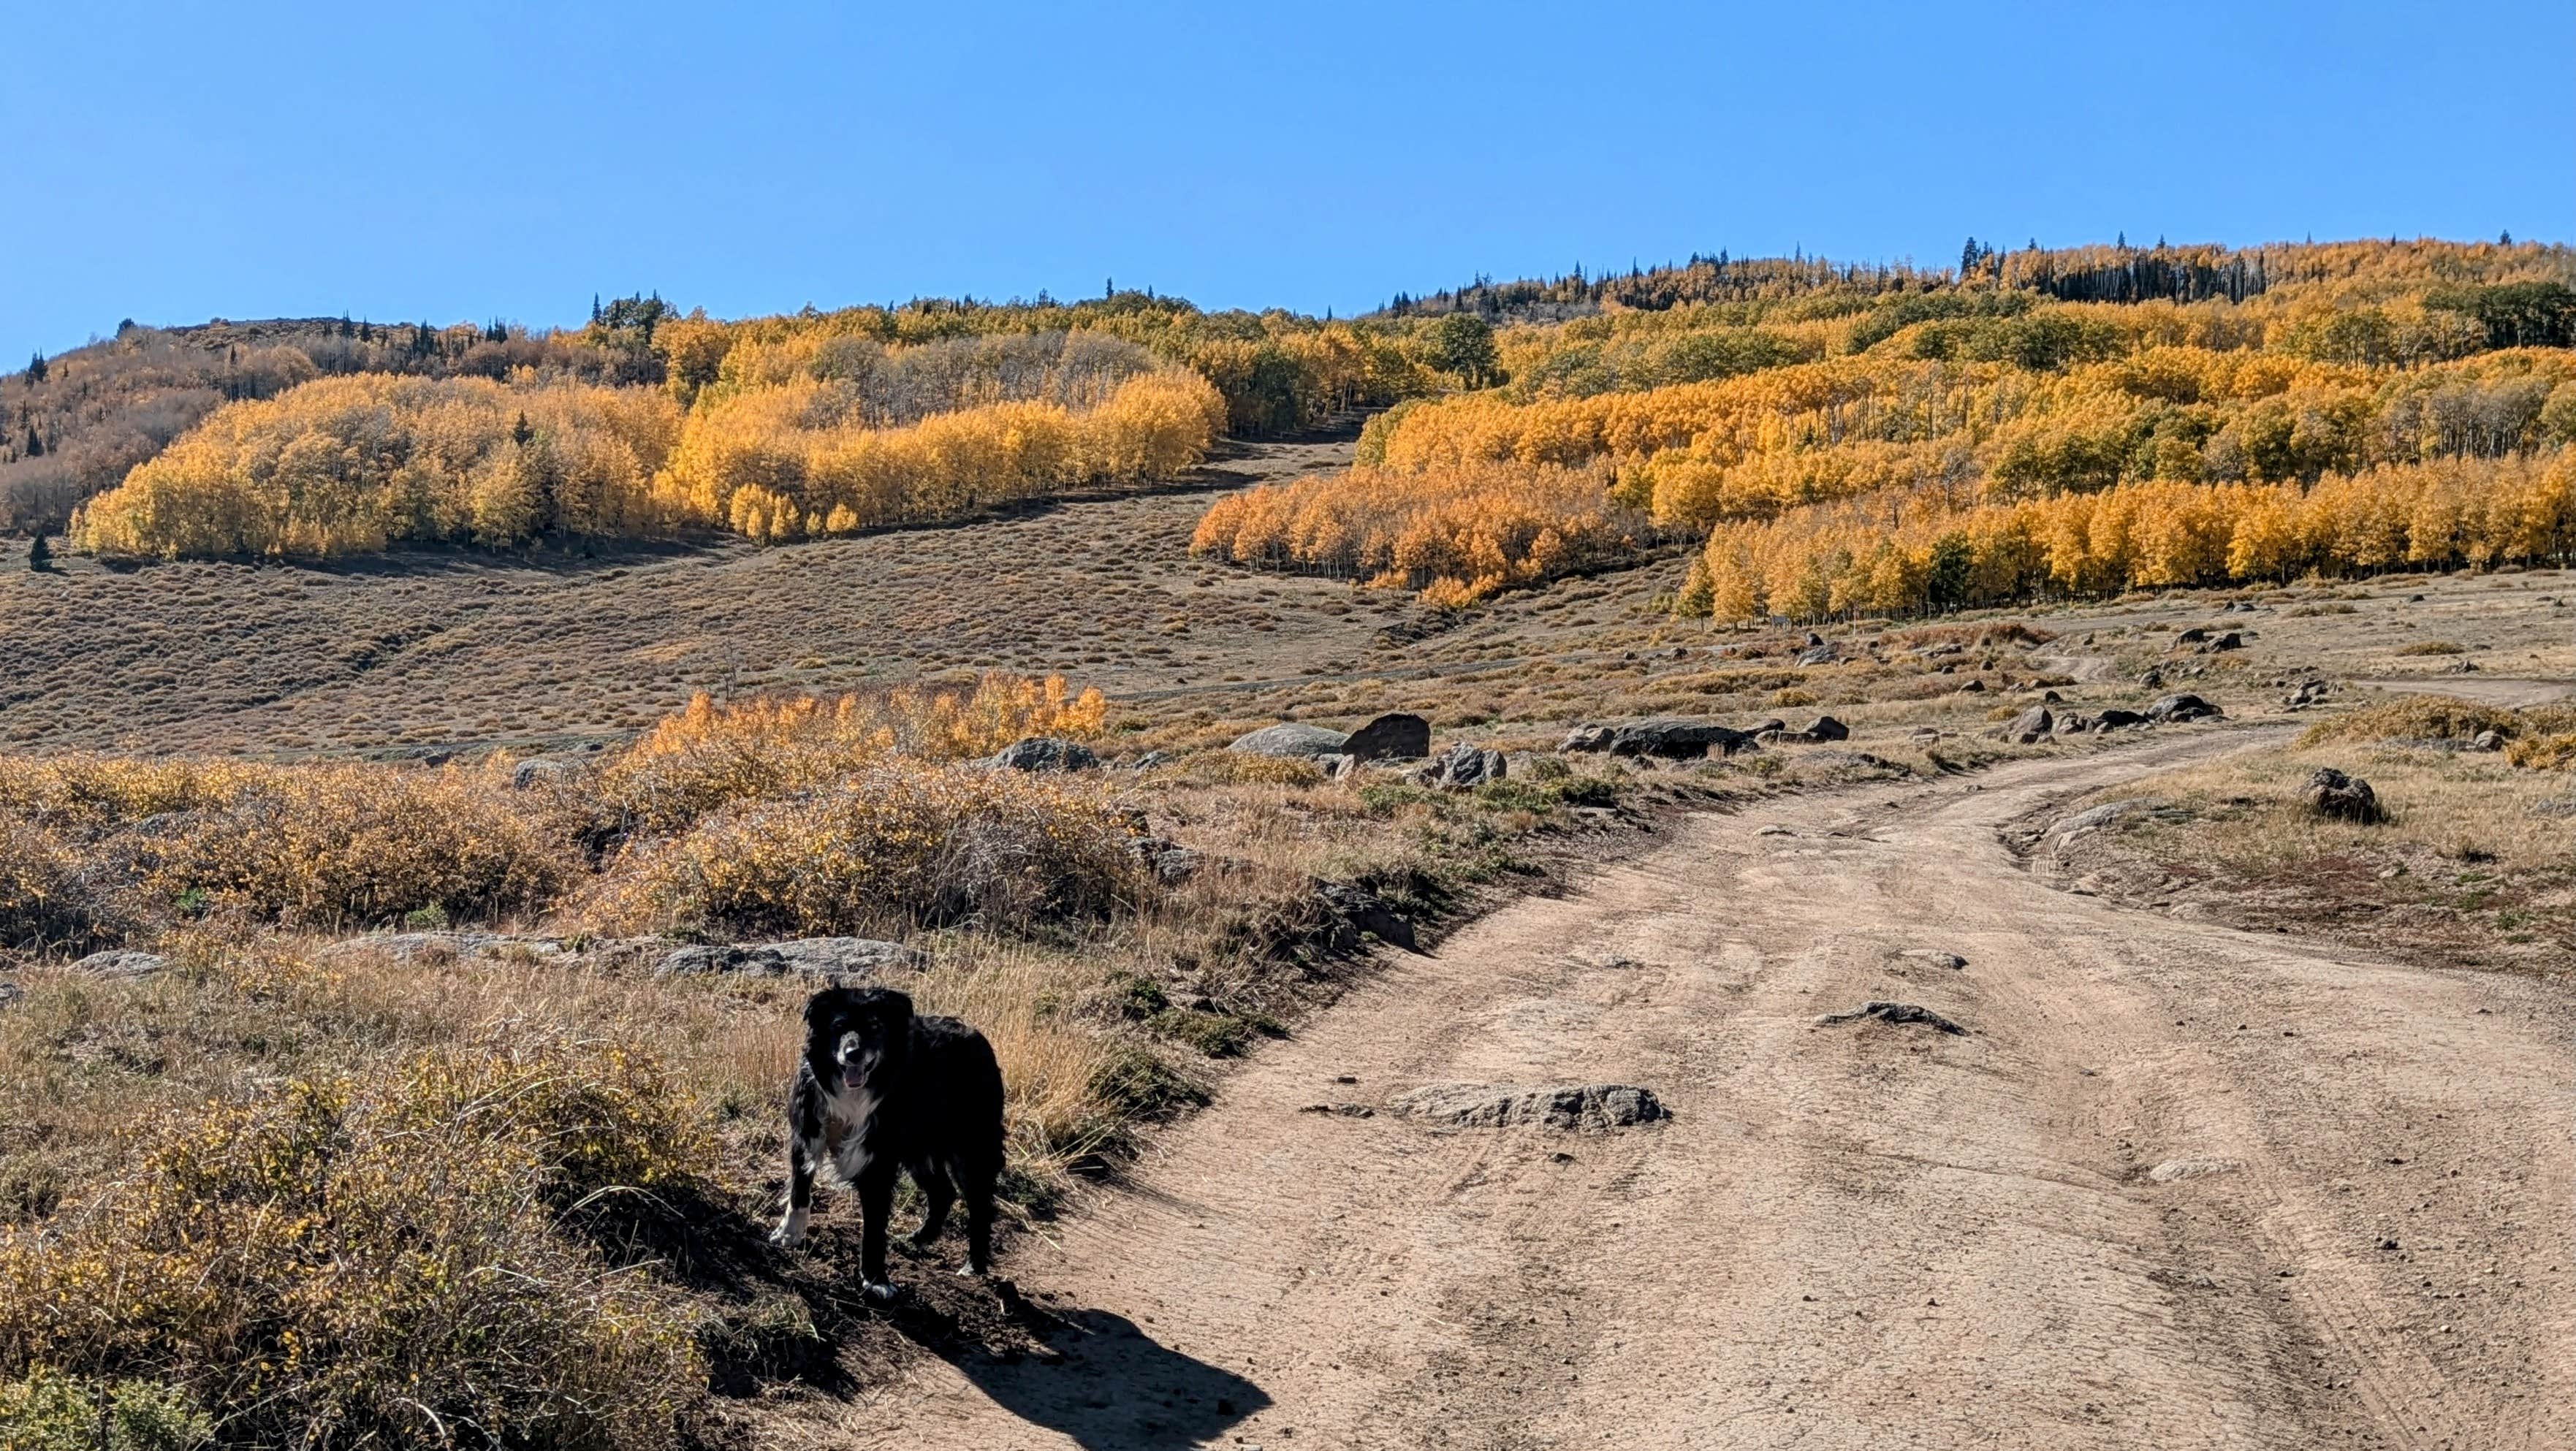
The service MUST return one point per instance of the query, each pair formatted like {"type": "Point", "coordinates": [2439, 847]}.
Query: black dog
{"type": "Point", "coordinates": [879, 1090]}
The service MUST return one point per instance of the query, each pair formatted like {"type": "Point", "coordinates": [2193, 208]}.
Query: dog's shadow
{"type": "Point", "coordinates": [1104, 1382]}
{"type": "Point", "coordinates": [1092, 1376]}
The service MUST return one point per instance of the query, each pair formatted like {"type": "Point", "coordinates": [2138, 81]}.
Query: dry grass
{"type": "Point", "coordinates": [2435, 718]}
{"type": "Point", "coordinates": [892, 847]}
{"type": "Point", "coordinates": [2472, 864]}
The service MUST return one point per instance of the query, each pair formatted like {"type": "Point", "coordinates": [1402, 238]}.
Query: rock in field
{"type": "Point", "coordinates": [2331, 793]}
{"type": "Point", "coordinates": [1355, 910]}
{"type": "Point", "coordinates": [1679, 740]}
{"type": "Point", "coordinates": [1169, 861]}
{"type": "Point", "coordinates": [1590, 1106]}
{"type": "Point", "coordinates": [1463, 766]}
{"type": "Point", "coordinates": [815, 957]}
{"type": "Point", "coordinates": [2175, 709]}
{"type": "Point", "coordinates": [2115, 718]}
{"type": "Point", "coordinates": [1292, 739]}
{"type": "Point", "coordinates": [2032, 725]}
{"type": "Point", "coordinates": [124, 962]}
{"type": "Point", "coordinates": [1826, 728]}
{"type": "Point", "coordinates": [1043, 753]}
{"type": "Point", "coordinates": [1396, 736]}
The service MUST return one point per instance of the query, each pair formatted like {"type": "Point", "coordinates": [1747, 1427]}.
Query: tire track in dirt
{"type": "Point", "coordinates": [2143, 1202]}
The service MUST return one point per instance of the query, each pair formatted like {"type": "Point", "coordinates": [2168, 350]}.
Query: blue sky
{"type": "Point", "coordinates": [170, 162]}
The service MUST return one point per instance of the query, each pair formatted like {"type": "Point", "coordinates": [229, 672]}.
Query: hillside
{"type": "Point", "coordinates": [1886, 441]}
{"type": "Point", "coordinates": [435, 771]}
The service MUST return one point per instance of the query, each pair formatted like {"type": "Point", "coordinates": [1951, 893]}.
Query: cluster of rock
{"type": "Point", "coordinates": [1393, 740]}
{"type": "Point", "coordinates": [2039, 723]}
{"type": "Point", "coordinates": [2209, 642]}
{"type": "Point", "coordinates": [1675, 739]}
{"type": "Point", "coordinates": [2305, 692]}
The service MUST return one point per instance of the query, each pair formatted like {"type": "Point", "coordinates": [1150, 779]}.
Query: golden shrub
{"type": "Point", "coordinates": [2555, 751]}
{"type": "Point", "coordinates": [1907, 553]}
{"type": "Point", "coordinates": [891, 846]}
{"type": "Point", "coordinates": [707, 754]}
{"type": "Point", "coordinates": [314, 844]}
{"type": "Point", "coordinates": [396, 1257]}
{"type": "Point", "coordinates": [773, 463]}
{"type": "Point", "coordinates": [347, 465]}
{"type": "Point", "coordinates": [1456, 534]}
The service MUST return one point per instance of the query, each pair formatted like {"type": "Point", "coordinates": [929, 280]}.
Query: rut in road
{"type": "Point", "coordinates": [2149, 1200]}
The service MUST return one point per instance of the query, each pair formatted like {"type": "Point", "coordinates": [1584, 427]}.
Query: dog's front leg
{"type": "Point", "coordinates": [876, 1206]}
{"type": "Point", "coordinates": [800, 1193]}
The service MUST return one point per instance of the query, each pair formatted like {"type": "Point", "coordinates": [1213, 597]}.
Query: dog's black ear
{"type": "Point", "coordinates": [821, 1005]}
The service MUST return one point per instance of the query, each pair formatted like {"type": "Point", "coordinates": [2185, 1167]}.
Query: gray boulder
{"type": "Point", "coordinates": [1671, 739]}
{"type": "Point", "coordinates": [2331, 793]}
{"type": "Point", "coordinates": [121, 962]}
{"type": "Point", "coordinates": [1354, 910]}
{"type": "Point", "coordinates": [1043, 753]}
{"type": "Point", "coordinates": [813, 957]}
{"type": "Point", "coordinates": [2032, 725]}
{"type": "Point", "coordinates": [2488, 740]}
{"type": "Point", "coordinates": [1294, 740]}
{"type": "Point", "coordinates": [1818, 655]}
{"type": "Point", "coordinates": [1826, 728]}
{"type": "Point", "coordinates": [1463, 766]}
{"type": "Point", "coordinates": [2175, 709]}
{"type": "Point", "coordinates": [1589, 1106]}
{"type": "Point", "coordinates": [1395, 736]}
{"type": "Point", "coordinates": [1169, 861]}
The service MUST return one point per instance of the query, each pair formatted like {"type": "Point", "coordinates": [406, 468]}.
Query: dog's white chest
{"type": "Point", "coordinates": [845, 1141]}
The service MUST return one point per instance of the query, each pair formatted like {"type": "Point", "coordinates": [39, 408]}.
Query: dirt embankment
{"type": "Point", "coordinates": [2175, 1186]}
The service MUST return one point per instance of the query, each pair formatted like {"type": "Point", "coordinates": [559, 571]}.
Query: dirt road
{"type": "Point", "coordinates": [2178, 1187]}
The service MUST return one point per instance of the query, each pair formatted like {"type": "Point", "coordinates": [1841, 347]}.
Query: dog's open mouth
{"type": "Point", "coordinates": [853, 1077]}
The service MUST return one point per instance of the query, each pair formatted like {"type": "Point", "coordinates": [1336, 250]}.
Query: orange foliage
{"type": "Point", "coordinates": [1898, 555]}
{"type": "Point", "coordinates": [1457, 534]}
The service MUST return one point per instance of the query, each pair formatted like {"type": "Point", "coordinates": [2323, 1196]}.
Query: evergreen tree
{"type": "Point", "coordinates": [35, 446]}
{"type": "Point", "coordinates": [40, 555]}
{"type": "Point", "coordinates": [36, 369]}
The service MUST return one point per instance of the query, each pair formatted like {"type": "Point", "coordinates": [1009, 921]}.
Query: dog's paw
{"type": "Point", "coordinates": [880, 1291]}
{"type": "Point", "coordinates": [970, 1272]}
